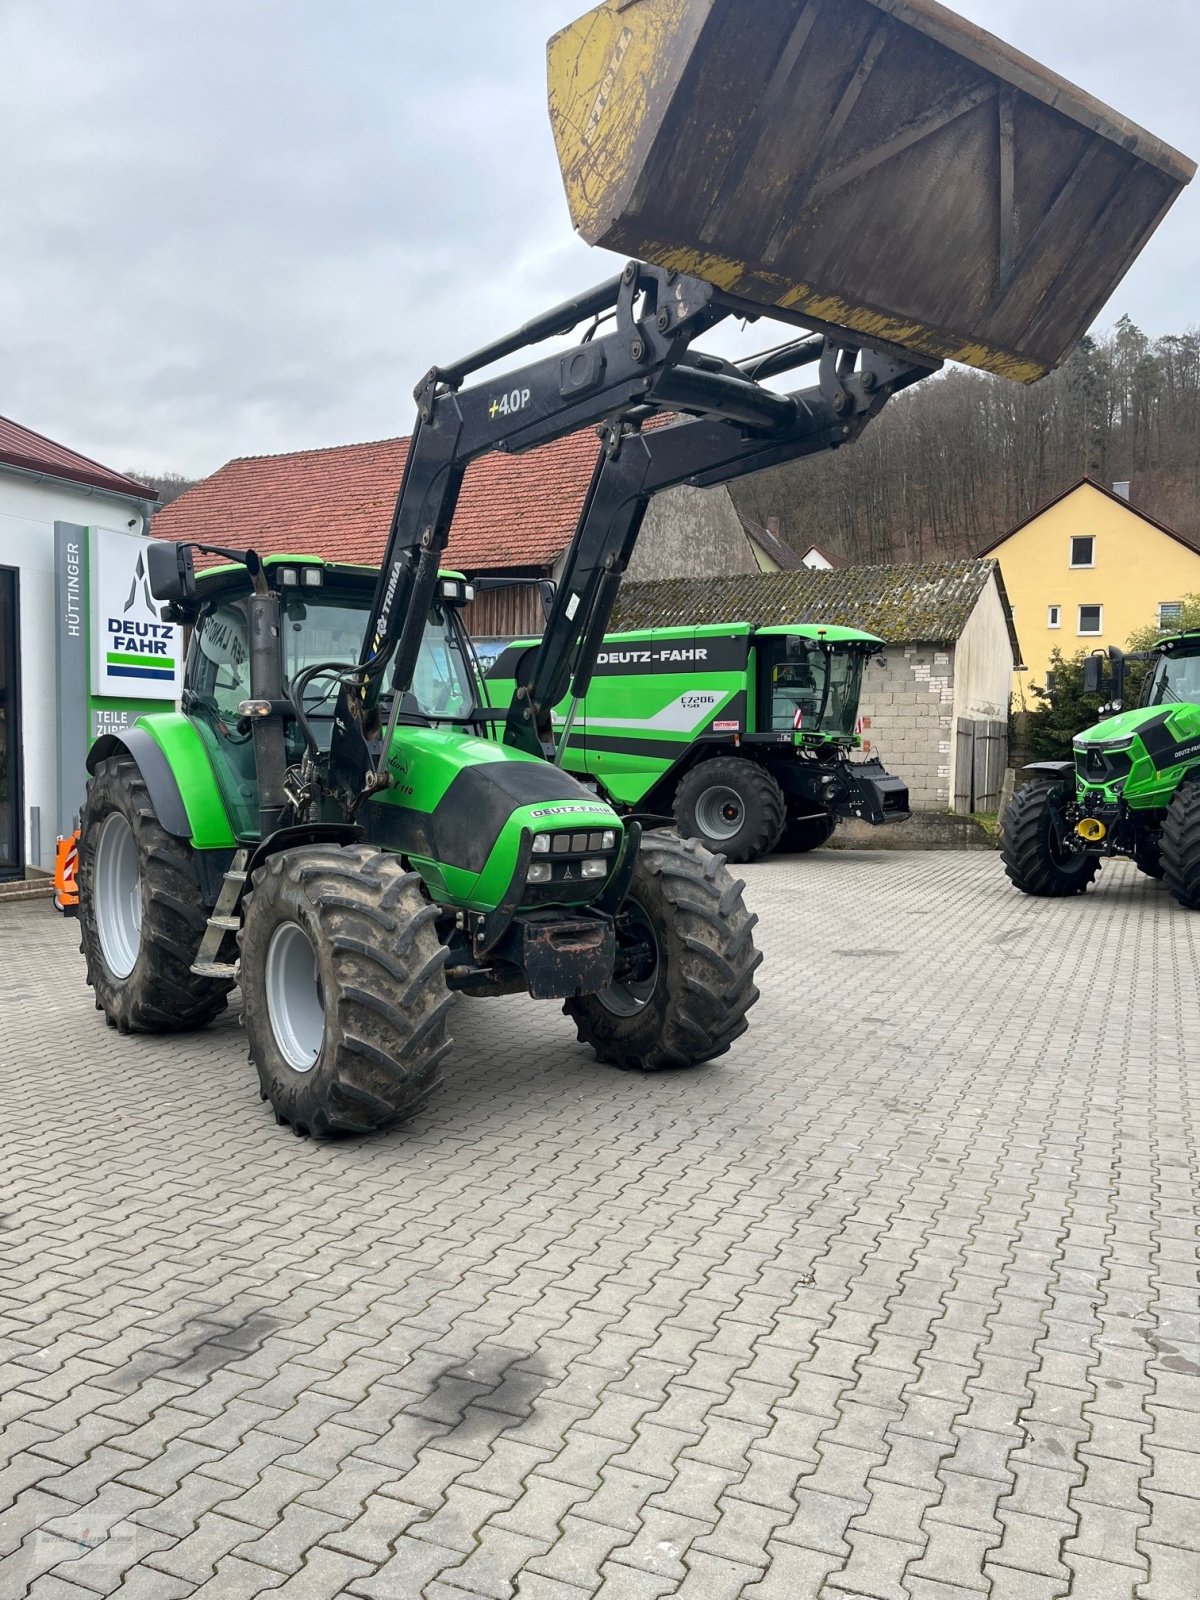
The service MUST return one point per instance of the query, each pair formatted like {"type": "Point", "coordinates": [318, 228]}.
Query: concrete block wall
{"type": "Point", "coordinates": [909, 703]}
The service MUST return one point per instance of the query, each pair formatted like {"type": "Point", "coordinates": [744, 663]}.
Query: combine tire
{"type": "Point", "coordinates": [803, 834]}
{"type": "Point", "coordinates": [1031, 849]}
{"type": "Point", "coordinates": [686, 961]}
{"type": "Point", "coordinates": [141, 910]}
{"type": "Point", "coordinates": [733, 806]}
{"type": "Point", "coordinates": [1181, 846]}
{"type": "Point", "coordinates": [344, 993]}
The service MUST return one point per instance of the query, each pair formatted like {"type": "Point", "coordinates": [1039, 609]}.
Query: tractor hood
{"type": "Point", "coordinates": [1119, 728]}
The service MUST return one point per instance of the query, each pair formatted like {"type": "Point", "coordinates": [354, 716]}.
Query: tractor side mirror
{"type": "Point", "coordinates": [171, 571]}
{"type": "Point", "coordinates": [1093, 675]}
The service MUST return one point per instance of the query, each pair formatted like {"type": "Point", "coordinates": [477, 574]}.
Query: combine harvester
{"type": "Point", "coordinates": [898, 184]}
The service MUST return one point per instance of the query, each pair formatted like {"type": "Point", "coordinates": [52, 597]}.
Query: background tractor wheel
{"type": "Point", "coordinates": [344, 993]}
{"type": "Point", "coordinates": [141, 910]}
{"type": "Point", "coordinates": [1031, 848]}
{"type": "Point", "coordinates": [685, 963]}
{"type": "Point", "coordinates": [1147, 857]}
{"type": "Point", "coordinates": [805, 833]}
{"type": "Point", "coordinates": [1181, 846]}
{"type": "Point", "coordinates": [732, 806]}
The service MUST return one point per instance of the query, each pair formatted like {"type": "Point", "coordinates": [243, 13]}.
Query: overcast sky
{"type": "Point", "coordinates": [239, 226]}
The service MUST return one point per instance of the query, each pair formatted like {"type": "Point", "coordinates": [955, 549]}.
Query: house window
{"type": "Point", "coordinates": [1054, 617]}
{"type": "Point", "coordinates": [1091, 619]}
{"type": "Point", "coordinates": [1083, 552]}
{"type": "Point", "coordinates": [1170, 613]}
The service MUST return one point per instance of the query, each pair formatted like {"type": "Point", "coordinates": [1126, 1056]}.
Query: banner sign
{"type": "Point", "coordinates": [135, 654]}
{"type": "Point", "coordinates": [70, 600]}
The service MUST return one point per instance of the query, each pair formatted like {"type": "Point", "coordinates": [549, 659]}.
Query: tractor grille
{"type": "Point", "coordinates": [1102, 766]}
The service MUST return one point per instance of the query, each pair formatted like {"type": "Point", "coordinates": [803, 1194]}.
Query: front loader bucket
{"type": "Point", "coordinates": [880, 166]}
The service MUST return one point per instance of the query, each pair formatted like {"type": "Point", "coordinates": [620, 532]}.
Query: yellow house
{"type": "Point", "coordinates": [1085, 572]}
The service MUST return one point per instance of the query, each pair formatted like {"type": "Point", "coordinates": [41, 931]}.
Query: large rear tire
{"type": "Point", "coordinates": [141, 910]}
{"type": "Point", "coordinates": [1031, 847]}
{"type": "Point", "coordinates": [344, 991]}
{"type": "Point", "coordinates": [686, 962]}
{"type": "Point", "coordinates": [731, 805]}
{"type": "Point", "coordinates": [1181, 846]}
{"type": "Point", "coordinates": [805, 833]}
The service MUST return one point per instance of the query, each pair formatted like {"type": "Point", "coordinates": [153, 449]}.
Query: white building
{"type": "Point", "coordinates": [45, 686]}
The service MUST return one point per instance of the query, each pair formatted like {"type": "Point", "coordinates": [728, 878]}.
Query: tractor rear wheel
{"type": "Point", "coordinates": [344, 991]}
{"type": "Point", "coordinates": [1181, 846]}
{"type": "Point", "coordinates": [684, 979]}
{"type": "Point", "coordinates": [141, 910]}
{"type": "Point", "coordinates": [805, 833]}
{"type": "Point", "coordinates": [1035, 856]}
{"type": "Point", "coordinates": [732, 805]}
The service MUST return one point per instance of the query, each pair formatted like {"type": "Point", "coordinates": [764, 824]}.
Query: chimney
{"type": "Point", "coordinates": [773, 524]}
{"type": "Point", "coordinates": [1121, 490]}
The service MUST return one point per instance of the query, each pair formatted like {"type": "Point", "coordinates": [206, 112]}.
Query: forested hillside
{"type": "Point", "coordinates": [963, 457]}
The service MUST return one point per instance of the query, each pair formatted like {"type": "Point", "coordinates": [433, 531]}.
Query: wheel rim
{"type": "Point", "coordinates": [639, 959]}
{"type": "Point", "coordinates": [720, 812]}
{"type": "Point", "coordinates": [295, 1004]}
{"type": "Point", "coordinates": [117, 903]}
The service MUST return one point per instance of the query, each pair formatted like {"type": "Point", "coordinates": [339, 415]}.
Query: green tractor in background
{"type": "Point", "coordinates": [1133, 789]}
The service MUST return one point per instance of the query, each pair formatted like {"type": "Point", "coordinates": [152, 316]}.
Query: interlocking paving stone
{"type": "Point", "coordinates": [903, 1305]}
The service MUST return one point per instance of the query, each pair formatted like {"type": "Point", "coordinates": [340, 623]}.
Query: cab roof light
{"type": "Point", "coordinates": [312, 577]}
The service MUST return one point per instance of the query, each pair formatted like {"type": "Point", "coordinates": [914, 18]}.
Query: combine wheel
{"type": "Point", "coordinates": [805, 833]}
{"type": "Point", "coordinates": [344, 992]}
{"type": "Point", "coordinates": [685, 964]}
{"type": "Point", "coordinates": [141, 910]}
{"type": "Point", "coordinates": [732, 805]}
{"type": "Point", "coordinates": [1033, 850]}
{"type": "Point", "coordinates": [1181, 846]}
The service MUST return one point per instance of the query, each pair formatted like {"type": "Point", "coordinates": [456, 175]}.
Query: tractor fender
{"type": "Point", "coordinates": [1058, 768]}
{"type": "Point", "coordinates": [156, 771]}
{"type": "Point", "coordinates": [340, 833]}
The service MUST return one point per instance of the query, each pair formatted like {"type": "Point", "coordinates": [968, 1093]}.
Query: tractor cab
{"type": "Point", "coordinates": [324, 608]}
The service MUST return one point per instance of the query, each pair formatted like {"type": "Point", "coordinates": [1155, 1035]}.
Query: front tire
{"type": "Point", "coordinates": [732, 806]}
{"type": "Point", "coordinates": [344, 991]}
{"type": "Point", "coordinates": [686, 963]}
{"type": "Point", "coordinates": [141, 910]}
{"type": "Point", "coordinates": [1181, 846]}
{"type": "Point", "coordinates": [805, 833]}
{"type": "Point", "coordinates": [1031, 847]}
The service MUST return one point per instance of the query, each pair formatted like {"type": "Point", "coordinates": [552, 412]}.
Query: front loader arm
{"type": "Point", "coordinates": [639, 367]}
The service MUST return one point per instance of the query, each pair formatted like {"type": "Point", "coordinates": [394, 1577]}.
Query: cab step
{"type": "Point", "coordinates": [223, 922]}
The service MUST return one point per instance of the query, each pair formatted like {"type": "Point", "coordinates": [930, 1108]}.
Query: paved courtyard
{"type": "Point", "coordinates": [897, 1300]}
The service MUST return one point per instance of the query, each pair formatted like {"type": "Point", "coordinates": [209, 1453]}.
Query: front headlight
{"type": "Point", "coordinates": [541, 844]}
{"type": "Point", "coordinates": [595, 869]}
{"type": "Point", "coordinates": [539, 872]}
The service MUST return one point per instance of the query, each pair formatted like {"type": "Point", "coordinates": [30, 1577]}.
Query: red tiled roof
{"type": "Point", "coordinates": [514, 511]}
{"type": "Point", "coordinates": [21, 447]}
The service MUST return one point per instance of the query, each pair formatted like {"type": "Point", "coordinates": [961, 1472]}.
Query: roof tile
{"type": "Point", "coordinates": [906, 605]}
{"type": "Point", "coordinates": [514, 511]}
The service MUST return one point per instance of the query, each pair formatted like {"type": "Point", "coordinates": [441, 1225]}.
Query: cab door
{"type": "Point", "coordinates": [218, 680]}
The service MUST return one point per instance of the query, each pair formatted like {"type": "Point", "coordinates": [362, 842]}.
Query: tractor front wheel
{"type": "Point", "coordinates": [732, 805]}
{"type": "Point", "coordinates": [141, 910]}
{"type": "Point", "coordinates": [1036, 856]}
{"type": "Point", "coordinates": [1180, 847]}
{"type": "Point", "coordinates": [684, 978]}
{"type": "Point", "coordinates": [344, 989]}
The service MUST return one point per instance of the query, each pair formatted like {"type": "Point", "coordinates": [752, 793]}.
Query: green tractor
{"type": "Point", "coordinates": [743, 733]}
{"type": "Point", "coordinates": [1133, 789]}
{"type": "Point", "coordinates": [331, 820]}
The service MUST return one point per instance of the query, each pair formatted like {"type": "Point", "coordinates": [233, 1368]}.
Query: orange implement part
{"type": "Point", "coordinates": [66, 867]}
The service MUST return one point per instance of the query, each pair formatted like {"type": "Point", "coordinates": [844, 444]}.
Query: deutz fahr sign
{"type": "Point", "coordinates": [135, 654]}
